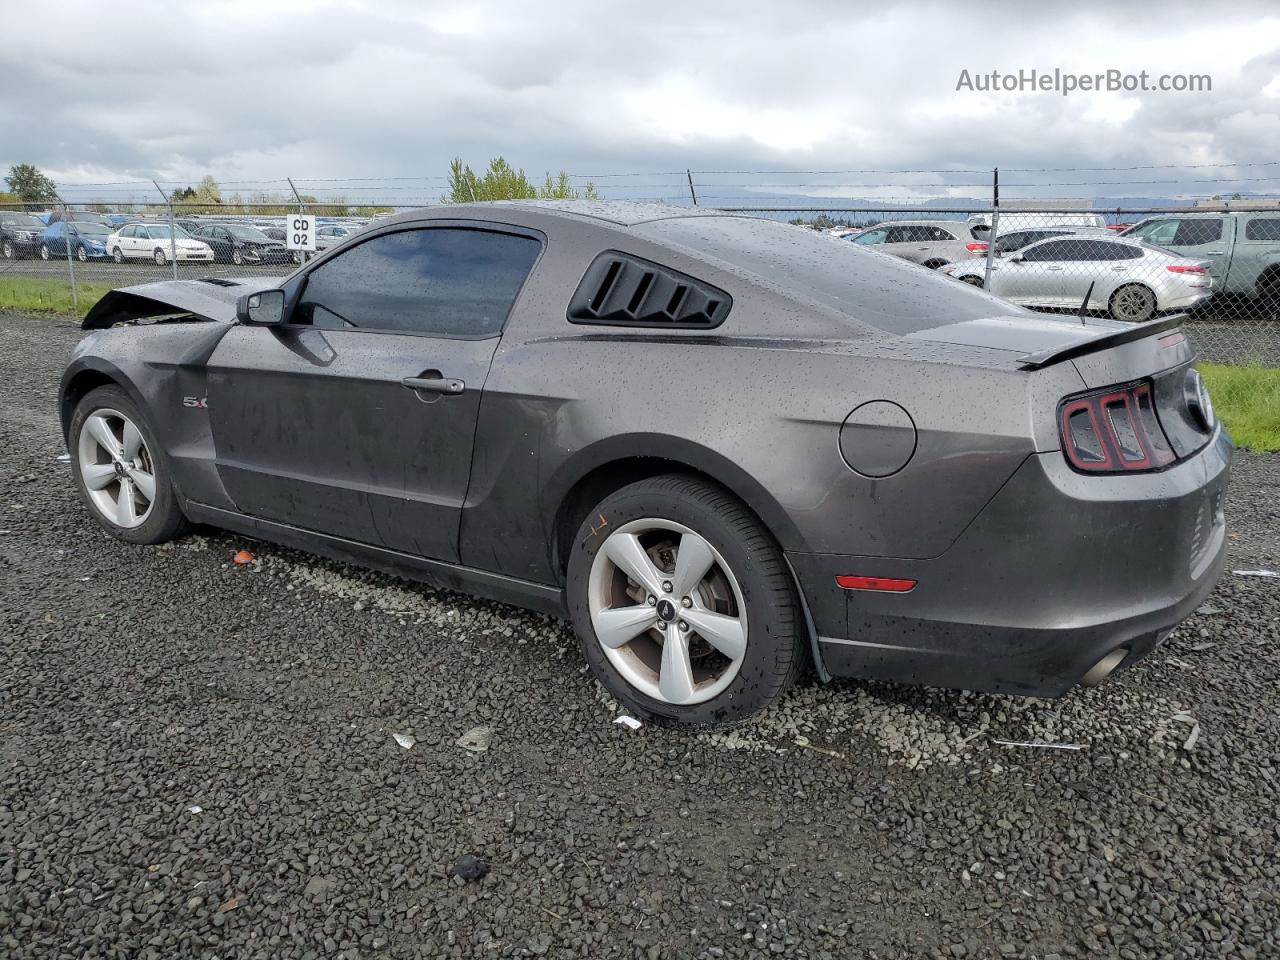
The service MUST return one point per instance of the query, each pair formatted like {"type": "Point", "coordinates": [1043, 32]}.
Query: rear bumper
{"type": "Point", "coordinates": [1056, 572]}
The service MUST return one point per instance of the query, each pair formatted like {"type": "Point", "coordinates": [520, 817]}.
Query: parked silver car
{"type": "Point", "coordinates": [933, 243]}
{"type": "Point", "coordinates": [1132, 281]}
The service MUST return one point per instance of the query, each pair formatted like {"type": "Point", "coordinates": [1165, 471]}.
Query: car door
{"type": "Point", "coordinates": [909, 241]}
{"type": "Point", "coordinates": [1034, 276]}
{"type": "Point", "coordinates": [135, 240]}
{"type": "Point", "coordinates": [1256, 253]}
{"type": "Point", "coordinates": [356, 418]}
{"type": "Point", "coordinates": [53, 239]}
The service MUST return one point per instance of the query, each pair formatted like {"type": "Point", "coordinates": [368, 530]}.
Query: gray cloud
{"type": "Point", "coordinates": [245, 90]}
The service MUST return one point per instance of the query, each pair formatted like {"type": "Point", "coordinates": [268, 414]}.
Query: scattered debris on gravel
{"type": "Point", "coordinates": [207, 759]}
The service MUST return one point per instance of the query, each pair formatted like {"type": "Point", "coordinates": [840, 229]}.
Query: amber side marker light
{"type": "Point", "coordinates": [879, 584]}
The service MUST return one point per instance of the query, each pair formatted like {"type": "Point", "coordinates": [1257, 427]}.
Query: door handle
{"type": "Point", "coordinates": [1053, 268]}
{"type": "Point", "coordinates": [434, 384]}
{"type": "Point", "coordinates": [1213, 253]}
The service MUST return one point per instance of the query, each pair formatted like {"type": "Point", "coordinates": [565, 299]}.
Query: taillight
{"type": "Point", "coordinates": [976, 247]}
{"type": "Point", "coordinates": [1180, 269]}
{"type": "Point", "coordinates": [1114, 431]}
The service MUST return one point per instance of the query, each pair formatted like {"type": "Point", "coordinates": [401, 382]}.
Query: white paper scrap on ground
{"type": "Point", "coordinates": [404, 740]}
{"type": "Point", "coordinates": [1255, 573]}
{"type": "Point", "coordinates": [630, 722]}
{"type": "Point", "coordinates": [1039, 745]}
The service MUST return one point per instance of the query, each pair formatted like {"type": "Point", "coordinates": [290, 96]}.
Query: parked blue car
{"type": "Point", "coordinates": [88, 240]}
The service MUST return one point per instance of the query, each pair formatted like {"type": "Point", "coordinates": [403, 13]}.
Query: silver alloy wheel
{"type": "Point", "coordinates": [44, 251]}
{"type": "Point", "coordinates": [117, 255]}
{"type": "Point", "coordinates": [81, 253]}
{"type": "Point", "coordinates": [116, 468]}
{"type": "Point", "coordinates": [1133, 303]}
{"type": "Point", "coordinates": [667, 611]}
{"type": "Point", "coordinates": [160, 258]}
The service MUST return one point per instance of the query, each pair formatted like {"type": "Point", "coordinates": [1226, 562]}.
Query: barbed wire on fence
{"type": "Point", "coordinates": [1128, 257]}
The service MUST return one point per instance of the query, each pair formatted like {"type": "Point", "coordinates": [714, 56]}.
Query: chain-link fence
{"type": "Point", "coordinates": [1219, 262]}
{"type": "Point", "coordinates": [1220, 265]}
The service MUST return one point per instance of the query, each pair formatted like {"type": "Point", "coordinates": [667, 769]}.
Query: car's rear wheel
{"type": "Point", "coordinates": [683, 604]}
{"type": "Point", "coordinates": [120, 470]}
{"type": "Point", "coordinates": [117, 255]}
{"type": "Point", "coordinates": [1133, 303]}
{"type": "Point", "coordinates": [159, 257]}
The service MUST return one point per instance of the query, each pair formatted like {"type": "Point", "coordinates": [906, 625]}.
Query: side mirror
{"type": "Point", "coordinates": [261, 309]}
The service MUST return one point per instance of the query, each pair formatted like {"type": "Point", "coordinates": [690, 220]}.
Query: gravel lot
{"type": "Point", "coordinates": [199, 760]}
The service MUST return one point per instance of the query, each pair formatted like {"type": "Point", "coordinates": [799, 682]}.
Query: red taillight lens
{"type": "Point", "coordinates": [1177, 269]}
{"type": "Point", "coordinates": [1114, 431]}
{"type": "Point", "coordinates": [976, 247]}
{"type": "Point", "coordinates": [878, 584]}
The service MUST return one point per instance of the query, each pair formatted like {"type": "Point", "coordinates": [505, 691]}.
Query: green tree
{"type": "Point", "coordinates": [501, 181]}
{"type": "Point", "coordinates": [31, 186]}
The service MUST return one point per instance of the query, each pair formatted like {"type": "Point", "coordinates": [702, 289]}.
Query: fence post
{"type": "Point", "coordinates": [173, 240]}
{"type": "Point", "coordinates": [71, 263]}
{"type": "Point", "coordinates": [302, 254]}
{"type": "Point", "coordinates": [689, 174]}
{"type": "Point", "coordinates": [995, 222]}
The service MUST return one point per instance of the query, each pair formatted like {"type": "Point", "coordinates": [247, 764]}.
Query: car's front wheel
{"type": "Point", "coordinates": [120, 470]}
{"type": "Point", "coordinates": [44, 251]}
{"type": "Point", "coordinates": [237, 257]}
{"type": "Point", "coordinates": [82, 254]}
{"type": "Point", "coordinates": [683, 604]}
{"type": "Point", "coordinates": [159, 256]}
{"type": "Point", "coordinates": [117, 255]}
{"type": "Point", "coordinates": [7, 249]}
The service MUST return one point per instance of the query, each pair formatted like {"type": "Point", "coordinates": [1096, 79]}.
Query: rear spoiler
{"type": "Point", "coordinates": [1139, 331]}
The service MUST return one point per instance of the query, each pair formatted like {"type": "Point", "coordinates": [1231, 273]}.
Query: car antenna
{"type": "Point", "coordinates": [1085, 303]}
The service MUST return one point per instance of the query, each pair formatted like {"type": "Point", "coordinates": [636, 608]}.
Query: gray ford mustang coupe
{"type": "Point", "coordinates": [723, 447]}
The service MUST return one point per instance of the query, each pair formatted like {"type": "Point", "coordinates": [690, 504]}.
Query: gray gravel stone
{"type": "Point", "coordinates": [173, 676]}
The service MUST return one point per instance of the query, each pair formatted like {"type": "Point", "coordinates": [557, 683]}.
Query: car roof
{"type": "Point", "coordinates": [618, 212]}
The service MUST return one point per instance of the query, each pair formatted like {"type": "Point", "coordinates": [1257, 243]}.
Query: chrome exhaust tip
{"type": "Point", "coordinates": [1102, 669]}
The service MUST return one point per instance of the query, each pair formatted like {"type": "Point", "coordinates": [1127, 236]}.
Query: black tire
{"type": "Point", "coordinates": [117, 255]}
{"type": "Point", "coordinates": [159, 257]}
{"type": "Point", "coordinates": [935, 264]}
{"type": "Point", "coordinates": [44, 251]}
{"type": "Point", "coordinates": [1123, 305]}
{"type": "Point", "coordinates": [82, 254]}
{"type": "Point", "coordinates": [166, 520]}
{"type": "Point", "coordinates": [776, 642]}
{"type": "Point", "coordinates": [972, 281]}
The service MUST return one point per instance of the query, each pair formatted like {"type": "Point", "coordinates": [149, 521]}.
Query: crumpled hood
{"type": "Point", "coordinates": [213, 298]}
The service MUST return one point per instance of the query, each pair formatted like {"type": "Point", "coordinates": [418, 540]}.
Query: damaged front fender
{"type": "Point", "coordinates": [211, 298]}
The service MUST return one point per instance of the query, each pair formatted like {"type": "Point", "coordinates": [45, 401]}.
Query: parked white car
{"type": "Point", "coordinates": [1130, 280]}
{"type": "Point", "coordinates": [151, 241]}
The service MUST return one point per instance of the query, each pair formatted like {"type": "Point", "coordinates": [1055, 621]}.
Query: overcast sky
{"type": "Point", "coordinates": [247, 89]}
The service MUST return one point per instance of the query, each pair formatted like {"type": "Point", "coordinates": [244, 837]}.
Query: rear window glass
{"type": "Point", "coordinates": [879, 290]}
{"type": "Point", "coordinates": [1262, 230]}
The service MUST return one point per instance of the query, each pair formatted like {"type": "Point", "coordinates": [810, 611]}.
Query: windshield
{"type": "Point", "coordinates": [160, 231]}
{"type": "Point", "coordinates": [90, 229]}
{"type": "Point", "coordinates": [21, 220]}
{"type": "Point", "coordinates": [241, 232]}
{"type": "Point", "coordinates": [883, 292]}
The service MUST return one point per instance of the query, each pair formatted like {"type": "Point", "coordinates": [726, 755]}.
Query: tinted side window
{"type": "Point", "coordinates": [1262, 230]}
{"type": "Point", "coordinates": [1053, 250]}
{"type": "Point", "coordinates": [442, 281]}
{"type": "Point", "coordinates": [1192, 233]}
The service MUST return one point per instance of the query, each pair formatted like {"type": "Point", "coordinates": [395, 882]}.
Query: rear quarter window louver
{"type": "Point", "coordinates": [623, 290]}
